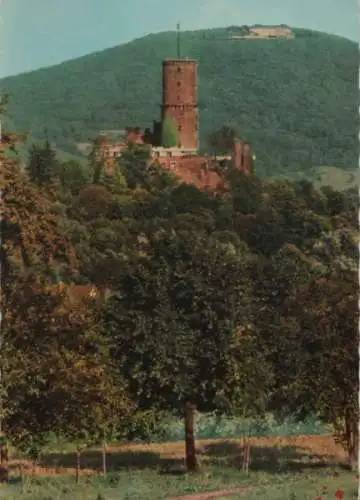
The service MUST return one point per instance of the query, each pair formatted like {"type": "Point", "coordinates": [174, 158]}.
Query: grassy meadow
{"type": "Point", "coordinates": [286, 464]}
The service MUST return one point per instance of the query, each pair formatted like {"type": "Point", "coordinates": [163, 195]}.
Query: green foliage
{"type": "Point", "coordinates": [279, 94]}
{"type": "Point", "coordinates": [152, 426]}
{"type": "Point", "coordinates": [55, 371]}
{"type": "Point", "coordinates": [221, 141]}
{"type": "Point", "coordinates": [42, 165]}
{"type": "Point", "coordinates": [96, 159]}
{"type": "Point", "coordinates": [73, 176]}
{"type": "Point", "coordinates": [170, 136]}
{"type": "Point", "coordinates": [139, 172]}
{"type": "Point", "coordinates": [327, 362]}
{"type": "Point", "coordinates": [243, 302]}
{"type": "Point", "coordinates": [189, 290]}
{"type": "Point", "coordinates": [64, 384]}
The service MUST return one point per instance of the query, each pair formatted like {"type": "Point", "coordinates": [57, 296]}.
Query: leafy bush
{"type": "Point", "coordinates": [149, 426]}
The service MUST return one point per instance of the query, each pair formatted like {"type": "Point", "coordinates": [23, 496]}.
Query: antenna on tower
{"type": "Point", "coordinates": [178, 40]}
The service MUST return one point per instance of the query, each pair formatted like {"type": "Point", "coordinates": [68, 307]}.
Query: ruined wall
{"type": "Point", "coordinates": [135, 135]}
{"type": "Point", "coordinates": [193, 170]}
{"type": "Point", "coordinates": [180, 99]}
{"type": "Point", "coordinates": [198, 170]}
{"type": "Point", "coordinates": [242, 157]}
{"type": "Point", "coordinates": [237, 154]}
{"type": "Point", "coordinates": [247, 166]}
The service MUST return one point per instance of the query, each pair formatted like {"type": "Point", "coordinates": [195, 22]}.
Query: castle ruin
{"type": "Point", "coordinates": [180, 106]}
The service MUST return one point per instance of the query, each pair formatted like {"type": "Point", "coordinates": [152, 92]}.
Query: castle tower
{"type": "Point", "coordinates": [179, 101]}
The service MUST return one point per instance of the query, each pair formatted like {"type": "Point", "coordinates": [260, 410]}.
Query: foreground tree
{"type": "Point", "coordinates": [32, 246]}
{"type": "Point", "coordinates": [247, 383]}
{"type": "Point", "coordinates": [170, 324]}
{"type": "Point", "coordinates": [55, 371]}
{"type": "Point", "coordinates": [309, 330]}
{"type": "Point", "coordinates": [321, 325]}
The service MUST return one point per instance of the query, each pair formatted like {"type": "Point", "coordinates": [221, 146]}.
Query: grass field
{"type": "Point", "coordinates": [298, 467]}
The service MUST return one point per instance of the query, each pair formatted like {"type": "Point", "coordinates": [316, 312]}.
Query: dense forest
{"type": "Point", "coordinates": [294, 100]}
{"type": "Point", "coordinates": [242, 301]}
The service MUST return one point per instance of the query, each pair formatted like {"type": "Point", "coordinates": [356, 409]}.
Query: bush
{"type": "Point", "coordinates": [149, 426]}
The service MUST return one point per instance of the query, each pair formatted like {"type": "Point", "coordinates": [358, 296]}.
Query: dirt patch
{"type": "Point", "coordinates": [29, 469]}
{"type": "Point", "coordinates": [323, 444]}
{"type": "Point", "coordinates": [298, 451]}
{"type": "Point", "coordinates": [209, 495]}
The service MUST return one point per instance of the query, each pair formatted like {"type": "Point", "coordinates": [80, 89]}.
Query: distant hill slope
{"type": "Point", "coordinates": [295, 100]}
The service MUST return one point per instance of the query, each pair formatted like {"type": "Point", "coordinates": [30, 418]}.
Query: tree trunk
{"type": "Point", "coordinates": [78, 465]}
{"type": "Point", "coordinates": [190, 451]}
{"type": "Point", "coordinates": [351, 438]}
{"type": "Point", "coordinates": [104, 467]}
{"type": "Point", "coordinates": [4, 457]}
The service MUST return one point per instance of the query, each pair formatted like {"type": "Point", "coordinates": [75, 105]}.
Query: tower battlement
{"type": "Point", "coordinates": [172, 61]}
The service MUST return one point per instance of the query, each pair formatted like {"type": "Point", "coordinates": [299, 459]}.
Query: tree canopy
{"type": "Point", "coordinates": [241, 302]}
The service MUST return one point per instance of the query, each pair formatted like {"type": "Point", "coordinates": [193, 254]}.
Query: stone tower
{"type": "Point", "coordinates": [180, 99]}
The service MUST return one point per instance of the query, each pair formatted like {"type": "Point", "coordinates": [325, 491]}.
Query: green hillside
{"type": "Point", "coordinates": [295, 100]}
{"type": "Point", "coordinates": [22, 153]}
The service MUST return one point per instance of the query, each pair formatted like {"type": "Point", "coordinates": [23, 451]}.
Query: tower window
{"type": "Point", "coordinates": [179, 128]}
{"type": "Point", "coordinates": [178, 84]}
{"type": "Point", "coordinates": [179, 70]}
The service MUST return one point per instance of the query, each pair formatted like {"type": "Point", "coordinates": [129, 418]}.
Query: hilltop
{"type": "Point", "coordinates": [295, 99]}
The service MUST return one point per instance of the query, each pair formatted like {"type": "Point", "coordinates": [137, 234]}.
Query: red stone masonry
{"type": "Point", "coordinates": [180, 99]}
{"type": "Point", "coordinates": [193, 170]}
{"type": "Point", "coordinates": [242, 157]}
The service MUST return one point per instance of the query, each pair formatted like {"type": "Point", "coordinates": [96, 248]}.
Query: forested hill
{"type": "Point", "coordinates": [295, 100]}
